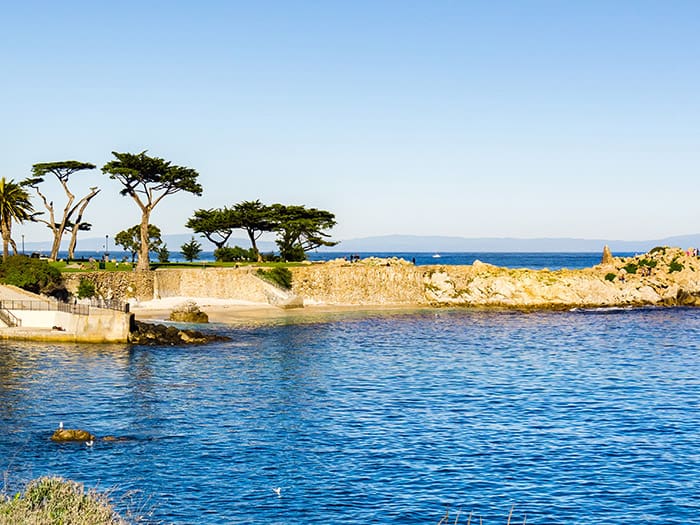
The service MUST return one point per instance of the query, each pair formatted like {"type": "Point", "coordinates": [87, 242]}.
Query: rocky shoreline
{"type": "Point", "coordinates": [663, 277]}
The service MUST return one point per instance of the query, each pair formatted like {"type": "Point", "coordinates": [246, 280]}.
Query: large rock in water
{"type": "Point", "coordinates": [158, 334]}
{"type": "Point", "coordinates": [189, 317]}
{"type": "Point", "coordinates": [63, 435]}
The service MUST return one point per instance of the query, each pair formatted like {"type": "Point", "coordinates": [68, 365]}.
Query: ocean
{"type": "Point", "coordinates": [538, 260]}
{"type": "Point", "coordinates": [384, 417]}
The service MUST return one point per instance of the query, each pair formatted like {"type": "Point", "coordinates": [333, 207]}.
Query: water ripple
{"type": "Point", "coordinates": [573, 417]}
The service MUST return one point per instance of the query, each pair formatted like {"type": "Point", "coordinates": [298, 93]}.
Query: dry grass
{"type": "Point", "coordinates": [57, 501]}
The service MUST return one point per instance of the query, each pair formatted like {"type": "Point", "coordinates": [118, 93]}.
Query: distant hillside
{"type": "Point", "coordinates": [417, 243]}
{"type": "Point", "coordinates": [414, 243]}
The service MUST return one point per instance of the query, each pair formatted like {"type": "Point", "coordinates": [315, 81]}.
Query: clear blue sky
{"type": "Point", "coordinates": [465, 118]}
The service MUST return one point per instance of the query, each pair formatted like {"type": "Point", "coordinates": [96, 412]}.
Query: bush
{"type": "Point", "coordinates": [281, 277]}
{"type": "Point", "coordinates": [675, 266]}
{"type": "Point", "coordinates": [660, 249]}
{"type": "Point", "coordinates": [649, 263]}
{"type": "Point", "coordinates": [235, 254]}
{"type": "Point", "coordinates": [610, 277]}
{"type": "Point", "coordinates": [86, 289]}
{"type": "Point", "coordinates": [52, 500]}
{"type": "Point", "coordinates": [631, 268]}
{"type": "Point", "coordinates": [33, 275]}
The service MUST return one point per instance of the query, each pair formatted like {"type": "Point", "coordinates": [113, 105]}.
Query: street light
{"type": "Point", "coordinates": [22, 244]}
{"type": "Point", "coordinates": [106, 247]}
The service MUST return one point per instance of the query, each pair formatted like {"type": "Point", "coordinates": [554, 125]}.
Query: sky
{"type": "Point", "coordinates": [463, 118]}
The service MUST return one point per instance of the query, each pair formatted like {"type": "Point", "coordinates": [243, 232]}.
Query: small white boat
{"type": "Point", "coordinates": [436, 256]}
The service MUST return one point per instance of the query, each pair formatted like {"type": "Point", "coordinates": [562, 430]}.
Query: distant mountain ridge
{"type": "Point", "coordinates": [416, 243]}
{"type": "Point", "coordinates": [421, 243]}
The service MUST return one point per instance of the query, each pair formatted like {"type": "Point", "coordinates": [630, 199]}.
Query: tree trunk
{"type": "Point", "coordinates": [144, 262]}
{"type": "Point", "coordinates": [14, 246]}
{"type": "Point", "coordinates": [251, 235]}
{"type": "Point", "coordinates": [78, 220]}
{"type": "Point", "coordinates": [6, 234]}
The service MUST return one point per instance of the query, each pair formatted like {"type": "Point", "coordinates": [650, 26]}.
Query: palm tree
{"type": "Point", "coordinates": [14, 205]}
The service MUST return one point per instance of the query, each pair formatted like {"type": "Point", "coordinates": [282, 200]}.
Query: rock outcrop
{"type": "Point", "coordinates": [63, 435]}
{"type": "Point", "coordinates": [188, 312]}
{"type": "Point", "coordinates": [157, 334]}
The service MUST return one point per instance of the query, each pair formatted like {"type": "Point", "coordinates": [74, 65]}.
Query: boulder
{"type": "Point", "coordinates": [63, 435]}
{"type": "Point", "coordinates": [157, 334]}
{"type": "Point", "coordinates": [189, 317]}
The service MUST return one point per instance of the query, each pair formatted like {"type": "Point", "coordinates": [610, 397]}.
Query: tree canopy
{"type": "Point", "coordinates": [300, 229]}
{"type": "Point", "coordinates": [14, 206]}
{"type": "Point", "coordinates": [130, 239]}
{"type": "Point", "coordinates": [254, 218]}
{"type": "Point", "coordinates": [216, 225]}
{"type": "Point", "coordinates": [71, 217]}
{"type": "Point", "coordinates": [148, 180]}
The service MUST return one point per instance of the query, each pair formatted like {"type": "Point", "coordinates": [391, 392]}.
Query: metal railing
{"type": "Point", "coordinates": [9, 318]}
{"type": "Point", "coordinates": [110, 304]}
{"type": "Point", "coordinates": [52, 306]}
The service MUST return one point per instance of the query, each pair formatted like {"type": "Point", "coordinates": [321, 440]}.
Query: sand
{"type": "Point", "coordinates": [231, 311]}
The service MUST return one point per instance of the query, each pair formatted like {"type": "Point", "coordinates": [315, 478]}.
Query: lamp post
{"type": "Point", "coordinates": [22, 244]}
{"type": "Point", "coordinates": [106, 247]}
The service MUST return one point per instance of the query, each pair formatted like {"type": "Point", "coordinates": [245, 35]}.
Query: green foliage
{"type": "Point", "coordinates": [649, 263]}
{"type": "Point", "coordinates": [56, 501]}
{"type": "Point", "coordinates": [71, 216]}
{"type": "Point", "coordinates": [34, 275]}
{"type": "Point", "coordinates": [191, 250]}
{"type": "Point", "coordinates": [14, 206]}
{"type": "Point", "coordinates": [130, 240]}
{"type": "Point", "coordinates": [610, 276]}
{"type": "Point", "coordinates": [163, 254]}
{"type": "Point", "coordinates": [278, 276]}
{"type": "Point", "coordinates": [631, 267]}
{"type": "Point", "coordinates": [216, 225]}
{"type": "Point", "coordinates": [675, 266]}
{"type": "Point", "coordinates": [147, 180]}
{"type": "Point", "coordinates": [86, 289]}
{"type": "Point", "coordinates": [300, 229]}
{"type": "Point", "coordinates": [255, 218]}
{"type": "Point", "coordinates": [658, 249]}
{"type": "Point", "coordinates": [235, 254]}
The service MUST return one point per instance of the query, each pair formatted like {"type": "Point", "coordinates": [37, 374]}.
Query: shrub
{"type": "Point", "coordinates": [631, 268]}
{"type": "Point", "coordinates": [675, 266]}
{"type": "Point", "coordinates": [191, 250]}
{"type": "Point", "coordinates": [33, 275]}
{"type": "Point", "coordinates": [163, 254]}
{"type": "Point", "coordinates": [610, 277]}
{"type": "Point", "coordinates": [86, 289]}
{"type": "Point", "coordinates": [235, 254]}
{"type": "Point", "coordinates": [53, 500]}
{"type": "Point", "coordinates": [281, 277]}
{"type": "Point", "coordinates": [649, 263]}
{"type": "Point", "coordinates": [660, 249]}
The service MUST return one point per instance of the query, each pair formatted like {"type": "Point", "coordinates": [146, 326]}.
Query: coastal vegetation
{"type": "Point", "coordinates": [298, 228]}
{"type": "Point", "coordinates": [131, 240]}
{"type": "Point", "coordinates": [71, 218]}
{"type": "Point", "coordinates": [278, 276]}
{"type": "Point", "coordinates": [191, 250]}
{"type": "Point", "coordinates": [148, 180]}
{"type": "Point", "coordinates": [33, 275]}
{"type": "Point", "coordinates": [58, 501]}
{"type": "Point", "coordinates": [14, 206]}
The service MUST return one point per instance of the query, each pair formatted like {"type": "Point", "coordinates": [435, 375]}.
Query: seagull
{"type": "Point", "coordinates": [60, 425]}
{"type": "Point", "coordinates": [278, 491]}
{"type": "Point", "coordinates": [89, 443]}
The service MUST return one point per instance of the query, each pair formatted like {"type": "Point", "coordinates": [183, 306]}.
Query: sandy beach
{"type": "Point", "coordinates": [235, 311]}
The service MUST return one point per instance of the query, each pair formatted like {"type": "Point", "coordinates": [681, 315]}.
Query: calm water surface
{"type": "Point", "coordinates": [575, 417]}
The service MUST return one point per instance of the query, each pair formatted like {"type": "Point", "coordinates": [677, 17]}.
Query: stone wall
{"type": "Point", "coordinates": [668, 276]}
{"type": "Point", "coordinates": [120, 286]}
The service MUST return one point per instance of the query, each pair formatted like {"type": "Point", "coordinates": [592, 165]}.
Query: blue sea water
{"type": "Point", "coordinates": [535, 260]}
{"type": "Point", "coordinates": [384, 417]}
